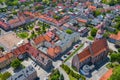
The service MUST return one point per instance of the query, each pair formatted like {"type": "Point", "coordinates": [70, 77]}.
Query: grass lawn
{"type": "Point", "coordinates": [90, 38]}
{"type": "Point", "coordinates": [31, 27]}
{"type": "Point", "coordinates": [72, 78]}
{"type": "Point", "coordinates": [23, 35]}
{"type": "Point", "coordinates": [105, 1]}
{"type": "Point", "coordinates": [112, 65]}
{"type": "Point", "coordinates": [74, 52]}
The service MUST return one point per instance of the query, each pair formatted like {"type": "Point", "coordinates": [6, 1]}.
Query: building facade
{"type": "Point", "coordinates": [94, 53]}
{"type": "Point", "coordinates": [28, 73]}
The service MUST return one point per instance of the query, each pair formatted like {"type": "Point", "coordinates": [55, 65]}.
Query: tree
{"type": "Point", "coordinates": [93, 32]}
{"type": "Point", "coordinates": [16, 64]}
{"type": "Point", "coordinates": [119, 50]}
{"type": "Point", "coordinates": [115, 57]}
{"type": "Point", "coordinates": [5, 76]}
{"type": "Point", "coordinates": [55, 75]}
{"type": "Point", "coordinates": [61, 77]}
{"type": "Point", "coordinates": [116, 74]}
{"type": "Point", "coordinates": [96, 13]}
{"type": "Point", "coordinates": [46, 1]}
{"type": "Point", "coordinates": [1, 48]}
{"type": "Point", "coordinates": [69, 31]}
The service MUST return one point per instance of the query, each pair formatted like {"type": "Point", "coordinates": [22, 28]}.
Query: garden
{"type": "Point", "coordinates": [55, 75]}
{"type": "Point", "coordinates": [5, 76]}
{"type": "Point", "coordinates": [72, 75]}
{"type": "Point", "coordinates": [31, 30]}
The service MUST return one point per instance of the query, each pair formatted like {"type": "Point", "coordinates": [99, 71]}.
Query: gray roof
{"type": "Point", "coordinates": [23, 74]}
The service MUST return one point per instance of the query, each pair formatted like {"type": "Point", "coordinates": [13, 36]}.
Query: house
{"type": "Point", "coordinates": [66, 40]}
{"type": "Point", "coordinates": [53, 52]}
{"type": "Point", "coordinates": [6, 59]}
{"type": "Point", "coordinates": [28, 73]}
{"type": "Point", "coordinates": [41, 58]}
{"type": "Point", "coordinates": [38, 41]}
{"type": "Point", "coordinates": [94, 53]}
{"type": "Point", "coordinates": [4, 25]}
{"type": "Point", "coordinates": [95, 22]}
{"type": "Point", "coordinates": [114, 38]}
{"type": "Point", "coordinates": [83, 31]}
{"type": "Point", "coordinates": [92, 8]}
{"type": "Point", "coordinates": [82, 21]}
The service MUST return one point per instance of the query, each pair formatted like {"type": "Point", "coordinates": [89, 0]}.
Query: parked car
{"type": "Point", "coordinates": [69, 53]}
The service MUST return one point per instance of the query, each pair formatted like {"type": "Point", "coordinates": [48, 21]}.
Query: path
{"type": "Point", "coordinates": [66, 77]}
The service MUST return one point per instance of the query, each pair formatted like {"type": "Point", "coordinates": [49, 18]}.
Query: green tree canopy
{"type": "Point", "coordinates": [116, 74]}
{"type": "Point", "coordinates": [5, 76]}
{"type": "Point", "coordinates": [96, 13]}
{"type": "Point", "coordinates": [69, 31]}
{"type": "Point", "coordinates": [1, 48]}
{"type": "Point", "coordinates": [16, 64]}
{"type": "Point", "coordinates": [115, 57]}
{"type": "Point", "coordinates": [93, 32]}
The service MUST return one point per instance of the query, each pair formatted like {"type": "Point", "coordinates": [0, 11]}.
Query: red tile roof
{"type": "Point", "coordinates": [97, 47]}
{"type": "Point", "coordinates": [107, 75]}
{"type": "Point", "coordinates": [47, 38]}
{"type": "Point", "coordinates": [53, 52]}
{"type": "Point", "coordinates": [4, 25]}
{"type": "Point", "coordinates": [47, 18]}
{"type": "Point", "coordinates": [114, 36]}
{"type": "Point", "coordinates": [6, 57]}
{"type": "Point", "coordinates": [50, 34]}
{"type": "Point", "coordinates": [82, 20]}
{"type": "Point", "coordinates": [93, 8]}
{"type": "Point", "coordinates": [2, 59]}
{"type": "Point", "coordinates": [84, 54]}
{"type": "Point", "coordinates": [39, 39]}
{"type": "Point", "coordinates": [26, 48]}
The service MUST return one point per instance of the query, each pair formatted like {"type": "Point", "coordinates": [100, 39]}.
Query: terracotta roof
{"type": "Point", "coordinates": [114, 36]}
{"type": "Point", "coordinates": [82, 20]}
{"type": "Point", "coordinates": [92, 8]}
{"type": "Point", "coordinates": [6, 57]}
{"type": "Point", "coordinates": [47, 38]}
{"type": "Point", "coordinates": [50, 34]}
{"type": "Point", "coordinates": [9, 55]}
{"type": "Point", "coordinates": [53, 52]}
{"type": "Point", "coordinates": [47, 18]}
{"type": "Point", "coordinates": [4, 25]}
{"type": "Point", "coordinates": [97, 48]}
{"type": "Point", "coordinates": [88, 3]}
{"type": "Point", "coordinates": [39, 39]}
{"type": "Point", "coordinates": [107, 75]}
{"type": "Point", "coordinates": [84, 54]}
{"type": "Point", "coordinates": [2, 59]}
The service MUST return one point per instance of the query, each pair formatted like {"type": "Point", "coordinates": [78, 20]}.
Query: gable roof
{"type": "Point", "coordinates": [39, 39]}
{"type": "Point", "coordinates": [94, 49]}
{"type": "Point", "coordinates": [53, 52]}
{"type": "Point", "coordinates": [47, 38]}
{"type": "Point", "coordinates": [6, 57]}
{"type": "Point", "coordinates": [114, 36]}
{"type": "Point", "coordinates": [84, 54]}
{"type": "Point", "coordinates": [99, 46]}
